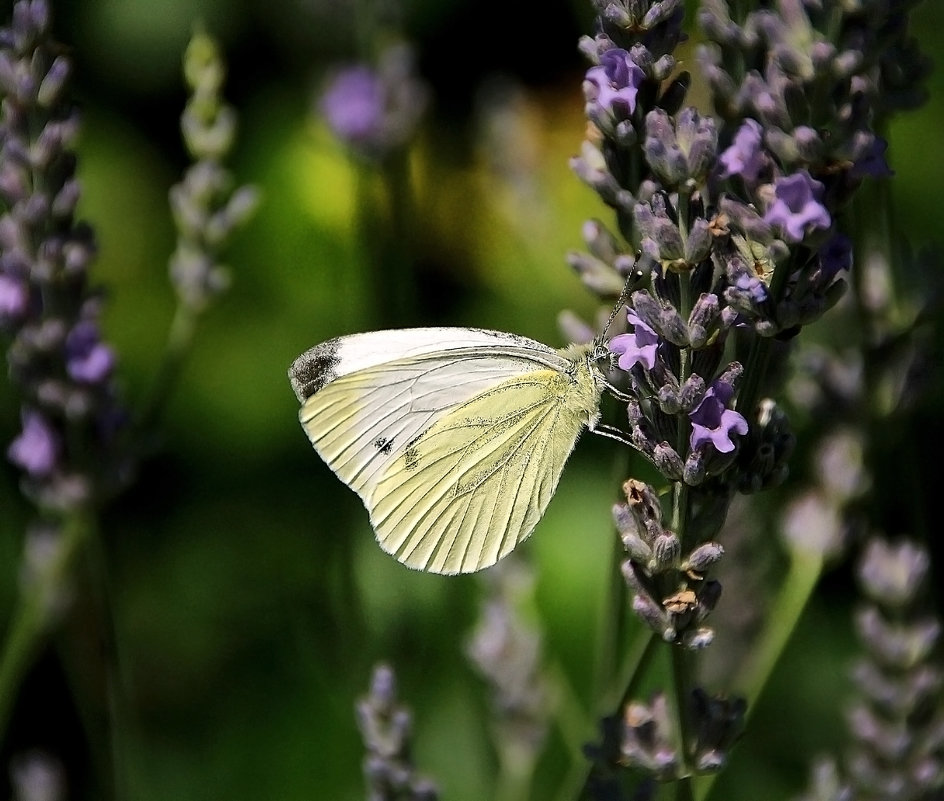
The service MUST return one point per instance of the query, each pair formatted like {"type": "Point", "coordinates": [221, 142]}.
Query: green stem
{"type": "Point", "coordinates": [614, 624]}
{"type": "Point", "coordinates": [516, 769]}
{"type": "Point", "coordinates": [37, 609]}
{"type": "Point", "coordinates": [682, 682]}
{"type": "Point", "coordinates": [179, 339]}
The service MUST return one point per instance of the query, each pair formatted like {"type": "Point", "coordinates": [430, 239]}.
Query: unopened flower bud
{"type": "Point", "coordinates": [703, 557]}
{"type": "Point", "coordinates": [667, 461]}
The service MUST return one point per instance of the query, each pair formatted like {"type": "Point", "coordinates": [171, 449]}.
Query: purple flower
{"type": "Point", "coordinates": [713, 422]}
{"type": "Point", "coordinates": [752, 287]}
{"type": "Point", "coordinates": [797, 206]}
{"type": "Point", "coordinates": [872, 160]}
{"type": "Point", "coordinates": [835, 255]}
{"type": "Point", "coordinates": [639, 346]}
{"type": "Point", "coordinates": [88, 359]}
{"type": "Point", "coordinates": [353, 104]}
{"type": "Point", "coordinates": [13, 298]}
{"type": "Point", "coordinates": [745, 156]}
{"type": "Point", "coordinates": [617, 81]}
{"type": "Point", "coordinates": [36, 448]}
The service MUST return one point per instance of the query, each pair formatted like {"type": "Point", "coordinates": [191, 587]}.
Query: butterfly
{"type": "Point", "coordinates": [454, 438]}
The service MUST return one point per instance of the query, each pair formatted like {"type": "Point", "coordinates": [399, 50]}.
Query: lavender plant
{"type": "Point", "coordinates": [79, 444]}
{"type": "Point", "coordinates": [69, 451]}
{"type": "Point", "coordinates": [374, 108]}
{"type": "Point", "coordinates": [386, 726]}
{"type": "Point", "coordinates": [896, 728]}
{"type": "Point", "coordinates": [738, 221]}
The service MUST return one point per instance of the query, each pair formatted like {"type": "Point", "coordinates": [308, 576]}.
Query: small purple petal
{"type": "Point", "coordinates": [639, 346]}
{"type": "Point", "coordinates": [353, 104]}
{"type": "Point", "coordinates": [797, 206]}
{"type": "Point", "coordinates": [14, 298]}
{"type": "Point", "coordinates": [36, 448]}
{"type": "Point", "coordinates": [745, 156]}
{"type": "Point", "coordinates": [835, 255]}
{"type": "Point", "coordinates": [873, 162]}
{"type": "Point", "coordinates": [713, 422]}
{"type": "Point", "coordinates": [88, 360]}
{"type": "Point", "coordinates": [752, 286]}
{"type": "Point", "coordinates": [617, 79]}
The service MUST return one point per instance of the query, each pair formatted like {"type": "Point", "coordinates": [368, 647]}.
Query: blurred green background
{"type": "Point", "coordinates": [245, 600]}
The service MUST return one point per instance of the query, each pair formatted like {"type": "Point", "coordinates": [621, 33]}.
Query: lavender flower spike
{"type": "Point", "coordinates": [713, 422]}
{"type": "Point", "coordinates": [797, 207]}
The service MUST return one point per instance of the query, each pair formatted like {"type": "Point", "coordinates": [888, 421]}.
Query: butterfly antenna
{"type": "Point", "coordinates": [633, 281]}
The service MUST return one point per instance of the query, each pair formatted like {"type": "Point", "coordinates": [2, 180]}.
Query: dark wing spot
{"type": "Point", "coordinates": [314, 368]}
{"type": "Point", "coordinates": [383, 445]}
{"type": "Point", "coordinates": [411, 458]}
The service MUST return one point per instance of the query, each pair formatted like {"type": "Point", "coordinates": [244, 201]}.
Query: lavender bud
{"type": "Point", "coordinates": [666, 550]}
{"type": "Point", "coordinates": [667, 461]}
{"type": "Point", "coordinates": [691, 392]}
{"type": "Point", "coordinates": [698, 639]}
{"type": "Point", "coordinates": [703, 557]}
{"type": "Point", "coordinates": [663, 67]}
{"type": "Point", "coordinates": [897, 646]}
{"type": "Point", "coordinates": [598, 276]}
{"type": "Point", "coordinates": [891, 575]}
{"type": "Point", "coordinates": [53, 84]}
{"type": "Point", "coordinates": [699, 241]}
{"type": "Point", "coordinates": [704, 319]}
{"type": "Point", "coordinates": [695, 471]}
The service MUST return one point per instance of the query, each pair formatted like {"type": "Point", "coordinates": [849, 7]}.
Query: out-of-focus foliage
{"type": "Point", "coordinates": [246, 599]}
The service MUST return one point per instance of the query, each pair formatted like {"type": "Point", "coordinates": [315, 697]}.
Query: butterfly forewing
{"type": "Point", "coordinates": [359, 422]}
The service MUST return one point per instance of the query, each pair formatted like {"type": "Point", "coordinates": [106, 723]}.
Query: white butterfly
{"type": "Point", "coordinates": [454, 438]}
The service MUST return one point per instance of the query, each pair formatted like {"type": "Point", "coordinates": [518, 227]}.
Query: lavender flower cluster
{"type": "Point", "coordinates": [896, 725]}
{"type": "Point", "coordinates": [386, 729]}
{"type": "Point", "coordinates": [735, 222]}
{"type": "Point", "coordinates": [59, 362]}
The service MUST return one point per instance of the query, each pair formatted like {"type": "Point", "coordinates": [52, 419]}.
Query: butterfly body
{"type": "Point", "coordinates": [454, 438]}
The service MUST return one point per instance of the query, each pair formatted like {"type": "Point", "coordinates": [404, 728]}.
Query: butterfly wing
{"type": "Point", "coordinates": [455, 439]}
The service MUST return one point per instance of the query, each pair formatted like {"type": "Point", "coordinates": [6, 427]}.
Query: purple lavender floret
{"type": "Point", "coordinates": [14, 298]}
{"type": "Point", "coordinates": [835, 256]}
{"type": "Point", "coordinates": [745, 156]}
{"type": "Point", "coordinates": [612, 87]}
{"type": "Point", "coordinates": [638, 347]}
{"type": "Point", "coordinates": [797, 207]}
{"type": "Point", "coordinates": [36, 449]}
{"type": "Point", "coordinates": [872, 162]}
{"type": "Point", "coordinates": [713, 422]}
{"type": "Point", "coordinates": [88, 359]}
{"type": "Point", "coordinates": [376, 108]}
{"type": "Point", "coordinates": [353, 104]}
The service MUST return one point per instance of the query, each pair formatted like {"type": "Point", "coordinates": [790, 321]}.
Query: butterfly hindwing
{"type": "Point", "coordinates": [475, 484]}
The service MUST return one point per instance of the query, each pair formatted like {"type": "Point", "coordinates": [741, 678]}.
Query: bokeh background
{"type": "Point", "coordinates": [237, 590]}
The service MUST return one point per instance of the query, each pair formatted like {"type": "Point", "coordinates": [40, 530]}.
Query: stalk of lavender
{"type": "Point", "coordinates": [207, 208]}
{"type": "Point", "coordinates": [386, 726]}
{"type": "Point", "coordinates": [374, 110]}
{"type": "Point", "coordinates": [506, 651]}
{"type": "Point", "coordinates": [895, 723]}
{"type": "Point", "coordinates": [60, 368]}
{"type": "Point", "coordinates": [737, 228]}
